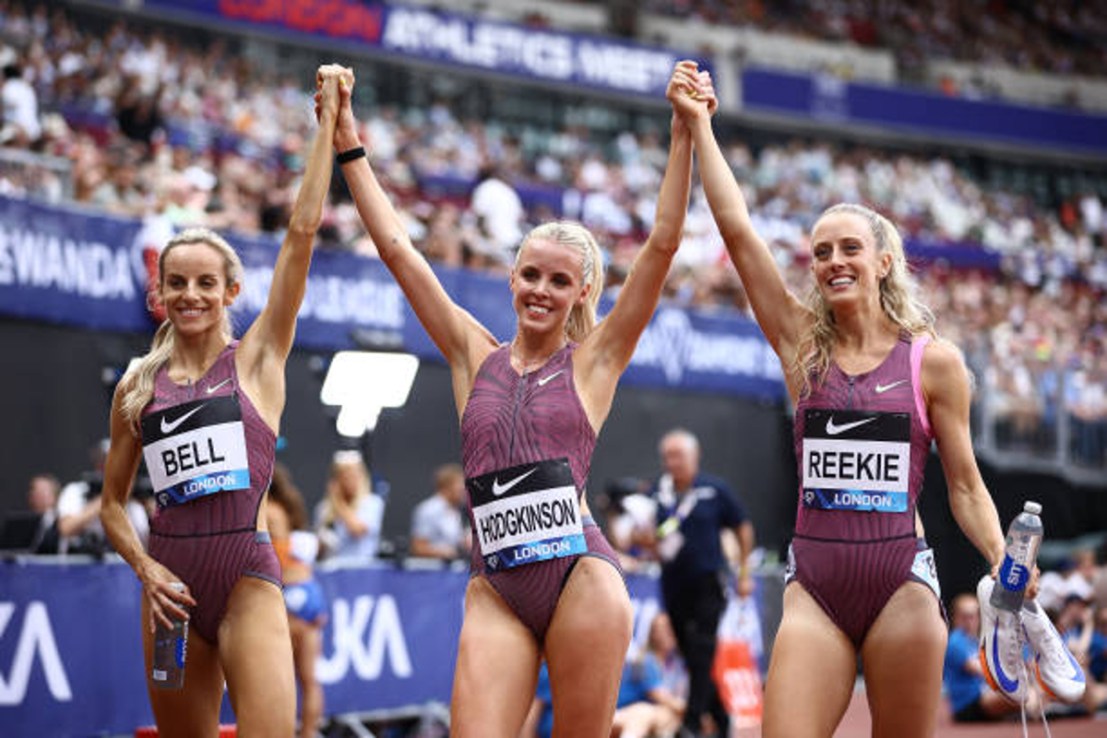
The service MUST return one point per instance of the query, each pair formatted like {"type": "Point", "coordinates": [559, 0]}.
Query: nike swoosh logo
{"type": "Point", "coordinates": [834, 430]}
{"type": "Point", "coordinates": [498, 489]}
{"type": "Point", "coordinates": [543, 380]}
{"type": "Point", "coordinates": [1007, 683]}
{"type": "Point", "coordinates": [168, 426]}
{"type": "Point", "coordinates": [882, 388]}
{"type": "Point", "coordinates": [215, 387]}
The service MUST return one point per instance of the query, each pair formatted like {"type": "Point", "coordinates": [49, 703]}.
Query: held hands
{"type": "Point", "coordinates": [691, 92]}
{"type": "Point", "coordinates": [333, 86]}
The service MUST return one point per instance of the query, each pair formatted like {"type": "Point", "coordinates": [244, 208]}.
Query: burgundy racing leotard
{"type": "Point", "coordinates": [210, 459]}
{"type": "Point", "coordinates": [526, 446]}
{"type": "Point", "coordinates": [861, 445]}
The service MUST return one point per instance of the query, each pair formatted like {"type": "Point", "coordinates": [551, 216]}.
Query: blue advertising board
{"type": "Point", "coordinates": [68, 266]}
{"type": "Point", "coordinates": [71, 656]}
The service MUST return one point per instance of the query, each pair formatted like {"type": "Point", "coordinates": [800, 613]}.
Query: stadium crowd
{"type": "Point", "coordinates": [155, 125]}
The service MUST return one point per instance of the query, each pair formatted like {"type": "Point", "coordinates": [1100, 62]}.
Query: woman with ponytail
{"type": "Point", "coordinates": [545, 581]}
{"type": "Point", "coordinates": [203, 411]}
{"type": "Point", "coordinates": [872, 386]}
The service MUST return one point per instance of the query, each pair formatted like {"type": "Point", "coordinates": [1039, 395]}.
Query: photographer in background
{"type": "Point", "coordinates": [79, 526]}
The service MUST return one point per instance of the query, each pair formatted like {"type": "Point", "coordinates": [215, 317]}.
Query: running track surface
{"type": "Point", "coordinates": [858, 724]}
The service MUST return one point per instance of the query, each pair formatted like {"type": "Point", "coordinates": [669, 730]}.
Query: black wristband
{"type": "Point", "coordinates": [350, 154]}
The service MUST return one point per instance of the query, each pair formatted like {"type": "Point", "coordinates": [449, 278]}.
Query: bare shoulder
{"type": "Point", "coordinates": [943, 368]}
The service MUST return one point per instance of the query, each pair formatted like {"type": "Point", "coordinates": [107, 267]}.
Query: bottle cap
{"type": "Point", "coordinates": [1032, 507]}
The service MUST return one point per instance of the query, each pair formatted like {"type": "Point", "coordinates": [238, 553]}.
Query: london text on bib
{"type": "Point", "coordinates": [856, 460]}
{"type": "Point", "coordinates": [527, 513]}
{"type": "Point", "coordinates": [195, 449]}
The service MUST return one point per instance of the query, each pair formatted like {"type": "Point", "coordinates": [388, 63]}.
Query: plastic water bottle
{"type": "Point", "coordinates": [170, 649]}
{"type": "Point", "coordinates": [1023, 538]}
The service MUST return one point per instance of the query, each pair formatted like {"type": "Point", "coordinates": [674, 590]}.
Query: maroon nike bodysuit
{"type": "Point", "coordinates": [861, 445]}
{"type": "Point", "coordinates": [210, 459]}
{"type": "Point", "coordinates": [526, 446]}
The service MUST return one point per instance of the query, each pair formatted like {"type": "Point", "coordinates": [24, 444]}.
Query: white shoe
{"type": "Point", "coordinates": [1059, 675]}
{"type": "Point", "coordinates": [1000, 646]}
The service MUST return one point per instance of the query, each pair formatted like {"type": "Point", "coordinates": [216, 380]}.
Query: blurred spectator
{"type": "Point", "coordinates": [628, 513]}
{"type": "Point", "coordinates": [348, 518]}
{"type": "Point", "coordinates": [437, 528]}
{"type": "Point", "coordinates": [79, 526]}
{"type": "Point", "coordinates": [1075, 622]}
{"type": "Point", "coordinates": [296, 547]}
{"type": "Point", "coordinates": [694, 510]}
{"type": "Point", "coordinates": [42, 500]}
{"type": "Point", "coordinates": [498, 209]}
{"type": "Point", "coordinates": [21, 126]}
{"type": "Point", "coordinates": [970, 697]}
{"type": "Point", "coordinates": [646, 706]}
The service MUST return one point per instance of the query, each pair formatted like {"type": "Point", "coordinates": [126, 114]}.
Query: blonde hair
{"type": "Point", "coordinates": [345, 459]}
{"type": "Point", "coordinates": [899, 299]}
{"type": "Point", "coordinates": [582, 317]}
{"type": "Point", "coordinates": [138, 382]}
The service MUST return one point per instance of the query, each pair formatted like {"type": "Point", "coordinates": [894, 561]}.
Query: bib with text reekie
{"type": "Point", "coordinates": [856, 460]}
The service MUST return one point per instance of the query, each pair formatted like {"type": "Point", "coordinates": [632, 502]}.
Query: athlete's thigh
{"type": "Point", "coordinates": [497, 668]}
{"type": "Point", "coordinates": [586, 646]}
{"type": "Point", "coordinates": [902, 661]}
{"type": "Point", "coordinates": [256, 649]}
{"type": "Point", "coordinates": [811, 673]}
{"type": "Point", "coordinates": [193, 710]}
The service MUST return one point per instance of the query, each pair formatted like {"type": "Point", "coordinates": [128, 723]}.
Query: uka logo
{"type": "Point", "coordinates": [35, 638]}
{"type": "Point", "coordinates": [365, 633]}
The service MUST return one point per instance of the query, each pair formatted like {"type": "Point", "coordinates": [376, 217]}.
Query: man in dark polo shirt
{"type": "Point", "coordinates": [693, 510]}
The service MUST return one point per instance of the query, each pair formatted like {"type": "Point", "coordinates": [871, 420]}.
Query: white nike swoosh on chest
{"type": "Point", "coordinates": [498, 489]}
{"type": "Point", "coordinates": [882, 388]}
{"type": "Point", "coordinates": [832, 429]}
{"type": "Point", "coordinates": [168, 426]}
{"type": "Point", "coordinates": [542, 381]}
{"type": "Point", "coordinates": [215, 387]}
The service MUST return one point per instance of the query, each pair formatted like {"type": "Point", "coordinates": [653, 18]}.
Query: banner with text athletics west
{"type": "Point", "coordinates": [71, 654]}
{"type": "Point", "coordinates": [76, 267]}
{"type": "Point", "coordinates": [440, 37]}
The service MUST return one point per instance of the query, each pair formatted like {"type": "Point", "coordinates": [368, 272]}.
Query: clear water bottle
{"type": "Point", "coordinates": [170, 649]}
{"type": "Point", "coordinates": [1023, 538]}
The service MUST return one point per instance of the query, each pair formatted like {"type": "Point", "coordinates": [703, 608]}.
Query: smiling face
{"type": "Point", "coordinates": [546, 283]}
{"type": "Point", "coordinates": [846, 260]}
{"type": "Point", "coordinates": [194, 287]}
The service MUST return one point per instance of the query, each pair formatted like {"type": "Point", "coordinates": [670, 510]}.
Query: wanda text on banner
{"type": "Point", "coordinates": [68, 266]}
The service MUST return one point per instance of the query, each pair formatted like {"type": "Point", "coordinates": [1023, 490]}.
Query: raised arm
{"type": "Point", "coordinates": [119, 474]}
{"type": "Point", "coordinates": [779, 313]}
{"type": "Point", "coordinates": [606, 352]}
{"type": "Point", "coordinates": [266, 345]}
{"type": "Point", "coordinates": [946, 388]}
{"type": "Point", "coordinates": [460, 338]}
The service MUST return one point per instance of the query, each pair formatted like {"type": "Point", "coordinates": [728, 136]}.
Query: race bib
{"type": "Point", "coordinates": [527, 513]}
{"type": "Point", "coordinates": [856, 460]}
{"type": "Point", "coordinates": [195, 449]}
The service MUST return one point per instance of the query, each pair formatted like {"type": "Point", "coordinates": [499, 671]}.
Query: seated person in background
{"type": "Point", "coordinates": [970, 697]}
{"type": "Point", "coordinates": [348, 519]}
{"type": "Point", "coordinates": [438, 530]}
{"type": "Point", "coordinates": [296, 547]}
{"type": "Point", "coordinates": [79, 525]}
{"type": "Point", "coordinates": [42, 499]}
{"type": "Point", "coordinates": [1076, 621]}
{"type": "Point", "coordinates": [646, 706]}
{"type": "Point", "coordinates": [629, 520]}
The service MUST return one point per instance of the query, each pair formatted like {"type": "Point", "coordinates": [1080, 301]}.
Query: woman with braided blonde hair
{"type": "Point", "coordinates": [872, 385]}
{"type": "Point", "coordinates": [203, 411]}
